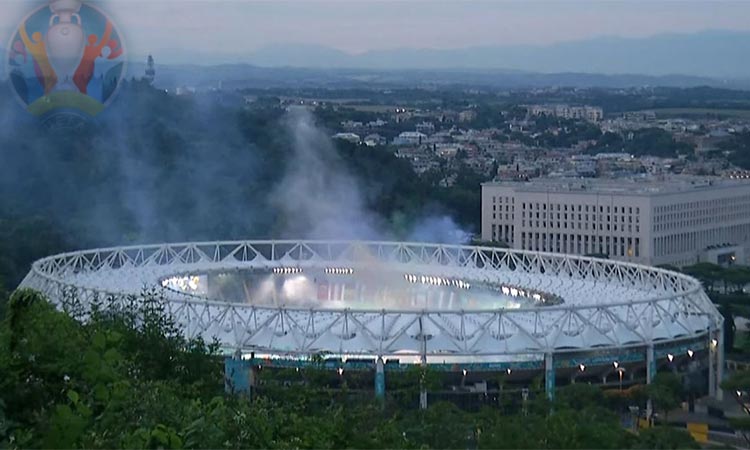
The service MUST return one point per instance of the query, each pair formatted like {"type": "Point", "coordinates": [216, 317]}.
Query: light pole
{"type": "Point", "coordinates": [621, 371]}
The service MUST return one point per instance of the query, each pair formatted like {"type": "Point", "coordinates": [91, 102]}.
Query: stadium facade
{"type": "Point", "coordinates": [456, 308]}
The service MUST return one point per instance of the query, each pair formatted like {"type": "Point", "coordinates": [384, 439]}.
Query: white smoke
{"type": "Point", "coordinates": [439, 230]}
{"type": "Point", "coordinates": [320, 199]}
{"type": "Point", "coordinates": [121, 184]}
{"type": "Point", "coordinates": [317, 196]}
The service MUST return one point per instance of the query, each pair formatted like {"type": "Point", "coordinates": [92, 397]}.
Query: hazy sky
{"type": "Point", "coordinates": [240, 26]}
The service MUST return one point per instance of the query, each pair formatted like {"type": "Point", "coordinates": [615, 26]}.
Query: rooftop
{"type": "Point", "coordinates": [630, 186]}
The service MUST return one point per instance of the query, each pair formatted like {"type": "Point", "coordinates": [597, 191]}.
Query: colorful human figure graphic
{"type": "Point", "coordinates": [93, 51]}
{"type": "Point", "coordinates": [44, 71]}
{"type": "Point", "coordinates": [114, 49]}
{"type": "Point", "coordinates": [18, 50]}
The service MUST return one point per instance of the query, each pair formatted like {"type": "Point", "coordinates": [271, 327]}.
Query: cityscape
{"type": "Point", "coordinates": [330, 225]}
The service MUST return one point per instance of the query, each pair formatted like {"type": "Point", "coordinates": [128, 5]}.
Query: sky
{"type": "Point", "coordinates": [236, 27]}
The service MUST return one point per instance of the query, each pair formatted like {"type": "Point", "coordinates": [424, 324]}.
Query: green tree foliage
{"type": "Point", "coordinates": [665, 391]}
{"type": "Point", "coordinates": [730, 329]}
{"type": "Point", "coordinates": [127, 378]}
{"type": "Point", "coordinates": [643, 142]}
{"type": "Point", "coordinates": [739, 149]}
{"type": "Point", "coordinates": [665, 438]}
{"type": "Point", "coordinates": [24, 240]}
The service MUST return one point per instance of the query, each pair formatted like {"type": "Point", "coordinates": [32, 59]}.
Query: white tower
{"type": "Point", "coordinates": [150, 70]}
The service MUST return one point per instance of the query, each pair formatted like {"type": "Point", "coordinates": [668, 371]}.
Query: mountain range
{"type": "Point", "coordinates": [716, 54]}
{"type": "Point", "coordinates": [237, 76]}
{"type": "Point", "coordinates": [718, 58]}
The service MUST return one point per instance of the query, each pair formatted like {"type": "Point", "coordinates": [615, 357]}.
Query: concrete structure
{"type": "Point", "coordinates": [679, 221]}
{"type": "Point", "coordinates": [410, 138]}
{"type": "Point", "coordinates": [426, 128]}
{"type": "Point", "coordinates": [467, 115]}
{"type": "Point", "coordinates": [373, 140]}
{"type": "Point", "coordinates": [590, 113]}
{"type": "Point", "coordinates": [349, 137]}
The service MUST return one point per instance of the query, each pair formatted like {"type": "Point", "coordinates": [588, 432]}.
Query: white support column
{"type": "Point", "coordinates": [650, 364]}
{"type": "Point", "coordinates": [650, 374]}
{"type": "Point", "coordinates": [719, 362]}
{"type": "Point", "coordinates": [549, 376]}
{"type": "Point", "coordinates": [422, 387]}
{"type": "Point", "coordinates": [380, 379]}
{"type": "Point", "coordinates": [423, 363]}
{"type": "Point", "coordinates": [712, 353]}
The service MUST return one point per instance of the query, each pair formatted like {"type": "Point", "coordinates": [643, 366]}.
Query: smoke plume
{"type": "Point", "coordinates": [159, 168]}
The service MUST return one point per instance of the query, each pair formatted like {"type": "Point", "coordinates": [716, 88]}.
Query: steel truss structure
{"type": "Point", "coordinates": [608, 305]}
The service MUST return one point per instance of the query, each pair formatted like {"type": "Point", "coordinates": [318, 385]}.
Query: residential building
{"type": "Point", "coordinates": [373, 140]}
{"type": "Point", "coordinates": [425, 128]}
{"type": "Point", "coordinates": [467, 116]}
{"type": "Point", "coordinates": [350, 137]}
{"type": "Point", "coordinates": [409, 138]}
{"type": "Point", "coordinates": [590, 113]}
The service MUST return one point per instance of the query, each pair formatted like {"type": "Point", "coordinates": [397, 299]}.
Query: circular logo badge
{"type": "Point", "coordinates": [66, 61]}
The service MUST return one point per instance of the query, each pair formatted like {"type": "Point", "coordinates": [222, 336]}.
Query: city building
{"type": "Point", "coordinates": [376, 123]}
{"type": "Point", "coordinates": [590, 113]}
{"type": "Point", "coordinates": [349, 137]}
{"type": "Point", "coordinates": [584, 165]}
{"type": "Point", "coordinates": [467, 116]}
{"type": "Point", "coordinates": [373, 140]}
{"type": "Point", "coordinates": [350, 125]}
{"type": "Point", "coordinates": [679, 220]}
{"type": "Point", "coordinates": [426, 128]}
{"type": "Point", "coordinates": [410, 138]}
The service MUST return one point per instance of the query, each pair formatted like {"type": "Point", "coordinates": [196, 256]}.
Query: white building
{"type": "Point", "coordinates": [350, 137]}
{"type": "Point", "coordinates": [425, 128]}
{"type": "Point", "coordinates": [590, 113]}
{"type": "Point", "coordinates": [410, 138]}
{"type": "Point", "coordinates": [584, 165]}
{"type": "Point", "coordinates": [351, 125]}
{"type": "Point", "coordinates": [679, 221]}
{"type": "Point", "coordinates": [373, 140]}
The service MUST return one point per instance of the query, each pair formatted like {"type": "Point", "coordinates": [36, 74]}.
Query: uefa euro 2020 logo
{"type": "Point", "coordinates": [66, 62]}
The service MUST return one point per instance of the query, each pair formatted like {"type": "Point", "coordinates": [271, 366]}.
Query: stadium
{"type": "Point", "coordinates": [381, 306]}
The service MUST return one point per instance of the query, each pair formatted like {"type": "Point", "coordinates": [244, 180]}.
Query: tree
{"type": "Point", "coordinates": [579, 396]}
{"type": "Point", "coordinates": [664, 438]}
{"type": "Point", "coordinates": [739, 385]}
{"type": "Point", "coordinates": [707, 273]}
{"type": "Point", "coordinates": [730, 328]}
{"type": "Point", "coordinates": [665, 392]}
